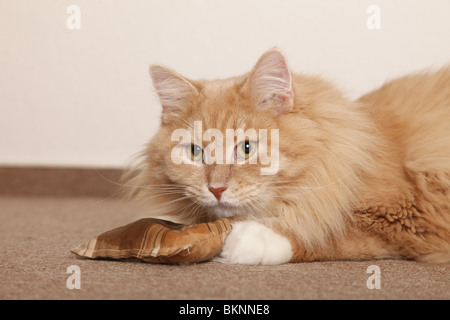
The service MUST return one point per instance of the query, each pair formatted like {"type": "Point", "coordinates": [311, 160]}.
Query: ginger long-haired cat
{"type": "Point", "coordinates": [363, 179]}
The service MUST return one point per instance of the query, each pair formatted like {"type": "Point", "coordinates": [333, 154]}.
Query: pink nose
{"type": "Point", "coordinates": [217, 192]}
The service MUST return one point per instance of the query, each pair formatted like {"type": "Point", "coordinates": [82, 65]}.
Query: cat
{"type": "Point", "coordinates": [356, 180]}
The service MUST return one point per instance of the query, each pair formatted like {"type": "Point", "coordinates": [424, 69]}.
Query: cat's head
{"type": "Point", "coordinates": [220, 139]}
{"type": "Point", "coordinates": [302, 159]}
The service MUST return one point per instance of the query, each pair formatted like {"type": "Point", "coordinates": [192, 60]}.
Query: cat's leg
{"type": "Point", "coordinates": [251, 242]}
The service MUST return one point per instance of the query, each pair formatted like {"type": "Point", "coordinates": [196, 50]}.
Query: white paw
{"type": "Point", "coordinates": [250, 242]}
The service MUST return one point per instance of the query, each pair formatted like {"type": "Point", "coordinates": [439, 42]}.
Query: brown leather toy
{"type": "Point", "coordinates": [159, 241]}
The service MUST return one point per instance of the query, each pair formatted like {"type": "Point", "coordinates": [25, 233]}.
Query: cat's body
{"type": "Point", "coordinates": [408, 203]}
{"type": "Point", "coordinates": [356, 179]}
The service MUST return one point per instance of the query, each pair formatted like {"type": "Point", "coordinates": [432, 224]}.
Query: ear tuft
{"type": "Point", "coordinates": [173, 90]}
{"type": "Point", "coordinates": [270, 82]}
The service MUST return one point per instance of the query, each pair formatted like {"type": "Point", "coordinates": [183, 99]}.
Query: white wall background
{"type": "Point", "coordinates": [84, 97]}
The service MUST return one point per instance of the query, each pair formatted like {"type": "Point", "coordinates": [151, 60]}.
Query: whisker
{"type": "Point", "coordinates": [254, 210]}
{"type": "Point", "coordinates": [246, 205]}
{"type": "Point", "coordinates": [168, 185]}
{"type": "Point", "coordinates": [178, 199]}
{"type": "Point", "coordinates": [304, 187]}
{"type": "Point", "coordinates": [168, 193]}
{"type": "Point", "coordinates": [185, 207]}
{"type": "Point", "coordinates": [262, 206]}
{"type": "Point", "coordinates": [296, 194]}
{"type": "Point", "coordinates": [193, 211]}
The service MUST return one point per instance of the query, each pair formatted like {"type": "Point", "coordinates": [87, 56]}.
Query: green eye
{"type": "Point", "coordinates": [245, 149]}
{"type": "Point", "coordinates": [194, 152]}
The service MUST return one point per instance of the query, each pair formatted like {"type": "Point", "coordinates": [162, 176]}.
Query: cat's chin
{"type": "Point", "coordinates": [225, 210]}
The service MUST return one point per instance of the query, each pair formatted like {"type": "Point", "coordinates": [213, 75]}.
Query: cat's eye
{"type": "Point", "coordinates": [194, 152]}
{"type": "Point", "coordinates": [245, 149]}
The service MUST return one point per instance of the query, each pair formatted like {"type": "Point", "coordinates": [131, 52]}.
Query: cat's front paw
{"type": "Point", "coordinates": [250, 242]}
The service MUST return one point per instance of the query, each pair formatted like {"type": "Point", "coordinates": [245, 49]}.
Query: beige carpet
{"type": "Point", "coordinates": [37, 233]}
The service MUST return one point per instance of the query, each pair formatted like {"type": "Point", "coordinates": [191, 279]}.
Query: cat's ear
{"type": "Point", "coordinates": [173, 91]}
{"type": "Point", "coordinates": [270, 83]}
